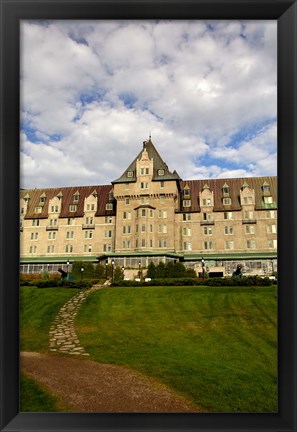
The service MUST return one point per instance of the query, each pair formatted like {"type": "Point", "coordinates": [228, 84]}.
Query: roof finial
{"type": "Point", "coordinates": [150, 136]}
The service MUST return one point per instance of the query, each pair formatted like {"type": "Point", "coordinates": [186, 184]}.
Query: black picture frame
{"type": "Point", "coordinates": [12, 11]}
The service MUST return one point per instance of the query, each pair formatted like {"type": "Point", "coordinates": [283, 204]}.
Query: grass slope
{"type": "Point", "coordinates": [38, 308]}
{"type": "Point", "coordinates": [33, 398]}
{"type": "Point", "coordinates": [216, 345]}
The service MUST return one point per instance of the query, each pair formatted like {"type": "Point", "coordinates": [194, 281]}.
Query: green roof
{"type": "Point", "coordinates": [158, 165]}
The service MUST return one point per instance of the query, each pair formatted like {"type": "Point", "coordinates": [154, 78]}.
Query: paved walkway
{"type": "Point", "coordinates": [62, 335]}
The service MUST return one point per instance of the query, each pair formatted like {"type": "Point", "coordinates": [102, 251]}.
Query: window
{"type": "Point", "coordinates": [73, 208]}
{"type": "Point", "coordinates": [187, 231]}
{"type": "Point", "coordinates": [206, 201]}
{"type": "Point", "coordinates": [247, 200]}
{"type": "Point", "coordinates": [144, 185]}
{"type": "Point", "coordinates": [249, 229]}
{"type": "Point", "coordinates": [34, 236]}
{"type": "Point", "coordinates": [229, 244]}
{"type": "Point", "coordinates": [226, 190]}
{"type": "Point", "coordinates": [186, 203]}
{"type": "Point", "coordinates": [186, 192]}
{"type": "Point", "coordinates": [228, 230]}
{"type": "Point", "coordinates": [52, 235]}
{"type": "Point", "coordinates": [70, 221]}
{"type": "Point", "coordinates": [271, 214]}
{"type": "Point", "coordinates": [126, 244]}
{"type": "Point", "coordinates": [207, 230]}
{"type": "Point", "coordinates": [151, 213]}
{"type": "Point", "coordinates": [53, 222]}
{"type": "Point", "coordinates": [208, 245]}
{"type": "Point", "coordinates": [162, 199]}
{"type": "Point", "coordinates": [33, 249]}
{"type": "Point", "coordinates": [90, 207]}
{"type": "Point", "coordinates": [227, 201]}
{"type": "Point", "coordinates": [143, 212]}
{"type": "Point", "coordinates": [108, 233]}
{"type": "Point", "coordinates": [126, 215]}
{"type": "Point", "coordinates": [265, 188]}
{"type": "Point", "coordinates": [107, 248]}
{"type": "Point", "coordinates": [251, 244]}
{"type": "Point", "coordinates": [151, 243]}
{"type": "Point", "coordinates": [109, 206]}
{"type": "Point", "coordinates": [207, 216]}
{"type": "Point", "coordinates": [108, 219]}
{"type": "Point", "coordinates": [228, 215]}
{"type": "Point", "coordinates": [142, 242]}
{"type": "Point", "coordinates": [69, 234]}
{"type": "Point", "coordinates": [162, 243]}
{"type": "Point", "coordinates": [89, 234]}
{"type": "Point", "coordinates": [51, 248]}
{"type": "Point", "coordinates": [161, 172]}
{"type": "Point", "coordinates": [163, 214]}
{"type": "Point", "coordinates": [42, 199]}
{"type": "Point", "coordinates": [187, 216]}
{"type": "Point", "coordinates": [89, 220]}
{"type": "Point", "coordinates": [268, 201]}
{"type": "Point", "coordinates": [136, 228]}
{"type": "Point", "coordinates": [75, 197]}
{"type": "Point", "coordinates": [127, 229]}
{"type": "Point", "coordinates": [151, 228]}
{"type": "Point", "coordinates": [187, 246]}
{"type": "Point", "coordinates": [248, 215]}
{"type": "Point", "coordinates": [54, 209]}
{"type": "Point", "coordinates": [129, 173]}
{"type": "Point", "coordinates": [162, 184]}
{"type": "Point", "coordinates": [272, 244]}
{"type": "Point", "coordinates": [127, 200]}
{"type": "Point", "coordinates": [35, 222]}
{"type": "Point", "coordinates": [87, 248]}
{"type": "Point", "coordinates": [271, 229]}
{"type": "Point", "coordinates": [69, 248]}
{"type": "Point", "coordinates": [22, 210]}
{"type": "Point", "coordinates": [142, 228]}
{"type": "Point", "coordinates": [38, 210]}
{"type": "Point", "coordinates": [162, 229]}
{"type": "Point", "coordinates": [144, 171]}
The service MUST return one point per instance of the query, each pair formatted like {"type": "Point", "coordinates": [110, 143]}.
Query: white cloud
{"type": "Point", "coordinates": [103, 86]}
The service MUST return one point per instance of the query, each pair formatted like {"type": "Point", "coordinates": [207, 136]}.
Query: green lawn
{"type": "Point", "coordinates": [38, 308]}
{"type": "Point", "coordinates": [33, 398]}
{"type": "Point", "coordinates": [216, 345]}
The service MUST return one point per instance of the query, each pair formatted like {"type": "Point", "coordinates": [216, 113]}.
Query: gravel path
{"type": "Point", "coordinates": [87, 386]}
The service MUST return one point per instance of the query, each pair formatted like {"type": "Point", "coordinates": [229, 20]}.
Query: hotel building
{"type": "Point", "coordinates": [150, 214]}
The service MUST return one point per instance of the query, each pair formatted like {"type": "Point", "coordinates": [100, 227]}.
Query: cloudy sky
{"type": "Point", "coordinates": [93, 91]}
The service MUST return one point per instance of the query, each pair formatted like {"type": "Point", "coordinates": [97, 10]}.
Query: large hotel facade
{"type": "Point", "coordinates": [151, 214]}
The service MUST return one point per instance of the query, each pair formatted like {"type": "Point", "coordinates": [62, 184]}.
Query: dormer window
{"type": "Point", "coordinates": [76, 197]}
{"type": "Point", "coordinates": [265, 188]}
{"type": "Point", "coordinates": [226, 201]}
{"type": "Point", "coordinates": [161, 172]}
{"type": "Point", "coordinates": [38, 209]}
{"type": "Point", "coordinates": [110, 196]}
{"type": "Point", "coordinates": [187, 203]}
{"type": "Point", "coordinates": [226, 189]}
{"type": "Point", "coordinates": [129, 173]}
{"type": "Point", "coordinates": [186, 192]}
{"type": "Point", "coordinates": [109, 206]}
{"type": "Point", "coordinates": [72, 208]}
{"type": "Point", "coordinates": [42, 198]}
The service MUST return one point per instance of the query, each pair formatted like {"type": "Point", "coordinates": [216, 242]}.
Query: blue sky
{"type": "Point", "coordinates": [93, 91]}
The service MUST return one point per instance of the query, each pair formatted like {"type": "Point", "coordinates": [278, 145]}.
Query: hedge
{"type": "Point", "coordinates": [244, 281]}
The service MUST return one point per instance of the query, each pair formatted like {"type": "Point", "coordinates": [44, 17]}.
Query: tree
{"type": "Point", "coordinates": [88, 272]}
{"type": "Point", "coordinates": [160, 270]}
{"type": "Point", "coordinates": [151, 270]}
{"type": "Point", "coordinates": [118, 274]}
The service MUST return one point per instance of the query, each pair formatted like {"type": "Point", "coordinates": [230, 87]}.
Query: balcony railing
{"type": "Point", "coordinates": [88, 226]}
{"type": "Point", "coordinates": [52, 228]}
{"type": "Point", "coordinates": [207, 222]}
{"type": "Point", "coordinates": [249, 221]}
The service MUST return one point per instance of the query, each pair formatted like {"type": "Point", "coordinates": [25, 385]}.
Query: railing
{"type": "Point", "coordinates": [207, 222]}
{"type": "Point", "coordinates": [249, 221]}
{"type": "Point", "coordinates": [52, 228]}
{"type": "Point", "coordinates": [88, 226]}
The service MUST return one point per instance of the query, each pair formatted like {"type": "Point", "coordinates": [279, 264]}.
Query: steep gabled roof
{"type": "Point", "coordinates": [159, 164]}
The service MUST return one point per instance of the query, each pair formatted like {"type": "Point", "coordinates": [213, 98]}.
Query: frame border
{"type": "Point", "coordinates": [11, 12]}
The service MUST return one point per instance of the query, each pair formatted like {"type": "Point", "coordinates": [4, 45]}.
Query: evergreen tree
{"type": "Point", "coordinates": [118, 275]}
{"type": "Point", "coordinates": [151, 270]}
{"type": "Point", "coordinates": [160, 270]}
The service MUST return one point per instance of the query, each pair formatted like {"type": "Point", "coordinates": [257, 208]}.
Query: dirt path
{"type": "Point", "coordinates": [87, 386]}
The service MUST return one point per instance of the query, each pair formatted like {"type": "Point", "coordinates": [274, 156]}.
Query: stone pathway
{"type": "Point", "coordinates": [62, 335]}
